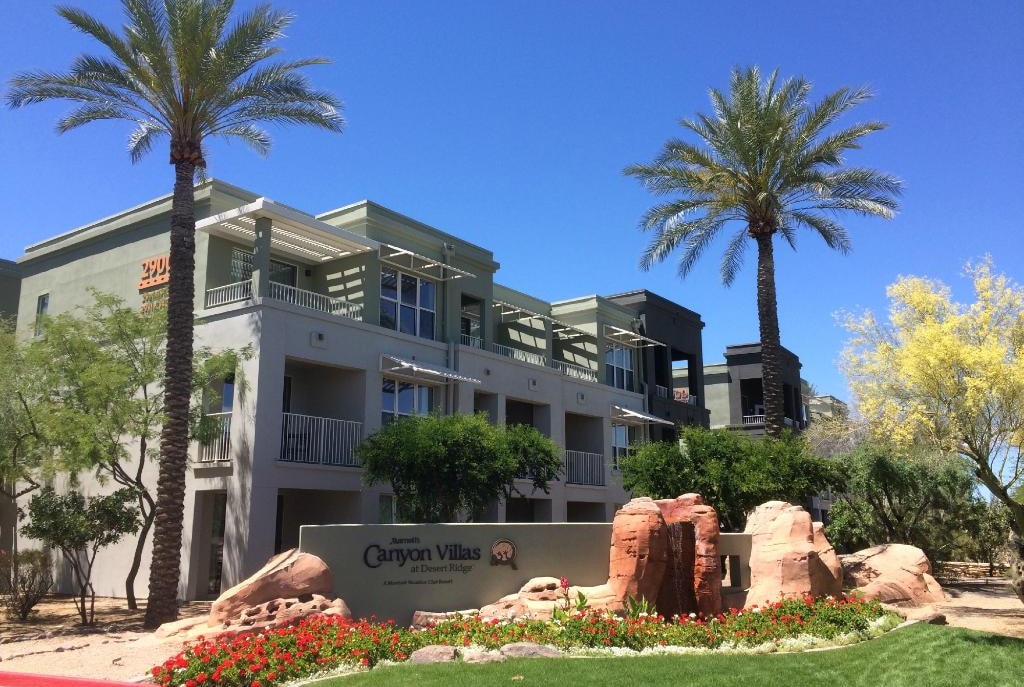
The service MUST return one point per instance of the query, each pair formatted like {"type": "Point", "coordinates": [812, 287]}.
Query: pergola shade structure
{"type": "Point", "coordinates": [628, 416]}
{"type": "Point", "coordinates": [416, 369]}
{"type": "Point", "coordinates": [292, 233]}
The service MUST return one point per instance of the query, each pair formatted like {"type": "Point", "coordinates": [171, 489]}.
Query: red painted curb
{"type": "Point", "coordinates": [32, 680]}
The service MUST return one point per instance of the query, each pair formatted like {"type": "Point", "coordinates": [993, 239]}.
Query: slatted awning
{"type": "Point", "coordinates": [420, 265]}
{"type": "Point", "coordinates": [292, 233]}
{"type": "Point", "coordinates": [628, 338]}
{"type": "Point", "coordinates": [628, 416]}
{"type": "Point", "coordinates": [509, 311]}
{"type": "Point", "coordinates": [417, 369]}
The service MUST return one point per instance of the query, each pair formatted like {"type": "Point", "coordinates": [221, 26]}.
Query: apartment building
{"type": "Point", "coordinates": [357, 316]}
{"type": "Point", "coordinates": [735, 394]}
{"type": "Point", "coordinates": [10, 288]}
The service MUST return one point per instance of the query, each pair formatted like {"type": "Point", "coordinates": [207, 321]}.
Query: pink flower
{"type": "Point", "coordinates": [564, 582]}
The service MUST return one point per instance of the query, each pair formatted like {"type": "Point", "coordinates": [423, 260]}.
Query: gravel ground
{"type": "Point", "coordinates": [118, 649]}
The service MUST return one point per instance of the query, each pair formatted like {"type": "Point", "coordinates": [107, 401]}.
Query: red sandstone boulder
{"type": "Point", "coordinates": [892, 573]}
{"type": "Point", "coordinates": [639, 550]}
{"type": "Point", "coordinates": [265, 616]}
{"type": "Point", "coordinates": [290, 574]}
{"type": "Point", "coordinates": [697, 563]}
{"type": "Point", "coordinates": [788, 556]}
{"type": "Point", "coordinates": [539, 597]}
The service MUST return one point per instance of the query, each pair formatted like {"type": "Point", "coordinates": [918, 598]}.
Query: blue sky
{"type": "Point", "coordinates": [508, 124]}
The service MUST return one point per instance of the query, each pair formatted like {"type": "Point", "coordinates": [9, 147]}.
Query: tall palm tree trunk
{"type": "Point", "coordinates": [165, 568]}
{"type": "Point", "coordinates": [768, 322]}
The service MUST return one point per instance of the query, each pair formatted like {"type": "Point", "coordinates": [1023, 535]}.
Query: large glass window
{"type": "Point", "coordinates": [407, 303]}
{"type": "Point", "coordinates": [399, 398]}
{"type": "Point", "coordinates": [618, 367]}
{"type": "Point", "coordinates": [622, 441]}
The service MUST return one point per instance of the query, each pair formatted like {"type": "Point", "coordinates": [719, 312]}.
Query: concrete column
{"type": "Point", "coordinates": [261, 257]}
{"type": "Point", "coordinates": [252, 491]}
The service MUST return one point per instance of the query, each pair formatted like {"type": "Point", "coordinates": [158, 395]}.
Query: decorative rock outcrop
{"type": "Point", "coordinates": [892, 573]}
{"type": "Point", "coordinates": [789, 555]}
{"type": "Point", "coordinates": [291, 586]}
{"type": "Point", "coordinates": [642, 564]}
{"type": "Point", "coordinates": [288, 574]}
{"type": "Point", "coordinates": [693, 578]}
{"type": "Point", "coordinates": [639, 550]}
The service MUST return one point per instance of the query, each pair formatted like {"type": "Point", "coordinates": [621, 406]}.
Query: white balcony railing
{"type": "Point", "coordinates": [218, 448]}
{"type": "Point", "coordinates": [661, 391]}
{"type": "Point", "coordinates": [315, 301]}
{"type": "Point", "coordinates": [518, 354]}
{"type": "Point", "coordinates": [584, 468]}
{"type": "Point", "coordinates": [753, 419]}
{"type": "Point", "coordinates": [575, 371]}
{"type": "Point", "coordinates": [471, 341]}
{"type": "Point", "coordinates": [319, 440]}
{"type": "Point", "coordinates": [230, 293]}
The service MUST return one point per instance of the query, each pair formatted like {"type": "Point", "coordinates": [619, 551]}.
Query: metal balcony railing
{"type": "Point", "coordinates": [230, 293]}
{"type": "Point", "coordinates": [471, 341]}
{"type": "Point", "coordinates": [584, 468]}
{"type": "Point", "coordinates": [575, 371]}
{"type": "Point", "coordinates": [315, 301]}
{"type": "Point", "coordinates": [753, 419]}
{"type": "Point", "coordinates": [319, 440]}
{"type": "Point", "coordinates": [661, 391]}
{"type": "Point", "coordinates": [218, 448]}
{"type": "Point", "coordinates": [519, 354]}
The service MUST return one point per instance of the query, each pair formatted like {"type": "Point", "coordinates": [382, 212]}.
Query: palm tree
{"type": "Point", "coordinates": [764, 161]}
{"type": "Point", "coordinates": [179, 70]}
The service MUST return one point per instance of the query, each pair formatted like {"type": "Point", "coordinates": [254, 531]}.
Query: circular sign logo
{"type": "Point", "coordinates": [503, 552]}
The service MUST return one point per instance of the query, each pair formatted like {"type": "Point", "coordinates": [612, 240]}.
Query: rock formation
{"type": "Point", "coordinates": [641, 565]}
{"type": "Point", "coordinates": [693, 580]}
{"type": "Point", "coordinates": [288, 574]}
{"type": "Point", "coordinates": [789, 555]}
{"type": "Point", "coordinates": [290, 587]}
{"type": "Point", "coordinates": [892, 573]}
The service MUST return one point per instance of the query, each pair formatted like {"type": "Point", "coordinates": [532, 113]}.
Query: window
{"type": "Point", "coordinates": [618, 367]}
{"type": "Point", "coordinates": [622, 440]}
{"type": "Point", "coordinates": [407, 303]}
{"type": "Point", "coordinates": [42, 305]}
{"type": "Point", "coordinates": [241, 268]}
{"type": "Point", "coordinates": [399, 398]}
{"type": "Point", "coordinates": [388, 509]}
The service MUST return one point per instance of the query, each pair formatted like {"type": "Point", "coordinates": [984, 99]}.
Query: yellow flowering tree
{"type": "Point", "coordinates": [949, 376]}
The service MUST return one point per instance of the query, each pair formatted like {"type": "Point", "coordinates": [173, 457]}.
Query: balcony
{"type": "Point", "coordinates": [242, 291]}
{"type": "Point", "coordinates": [584, 468]}
{"type": "Point", "coordinates": [217, 448]}
{"type": "Point", "coordinates": [575, 371]}
{"type": "Point", "coordinates": [319, 440]}
{"type": "Point", "coordinates": [753, 419]}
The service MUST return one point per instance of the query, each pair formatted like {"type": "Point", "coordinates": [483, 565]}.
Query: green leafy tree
{"type": "Point", "coordinates": [949, 376]}
{"type": "Point", "coordinates": [731, 472]}
{"type": "Point", "coordinates": [985, 533]}
{"type": "Point", "coordinates": [79, 527]}
{"type": "Point", "coordinates": [22, 442]}
{"type": "Point", "coordinates": [889, 497]}
{"type": "Point", "coordinates": [442, 467]}
{"type": "Point", "coordinates": [768, 161]}
{"type": "Point", "coordinates": [179, 70]}
{"type": "Point", "coordinates": [102, 367]}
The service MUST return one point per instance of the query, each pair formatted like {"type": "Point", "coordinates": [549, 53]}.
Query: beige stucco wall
{"type": "Point", "coordinates": [448, 567]}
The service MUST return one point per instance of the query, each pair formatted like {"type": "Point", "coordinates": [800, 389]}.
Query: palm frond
{"type": "Point", "coordinates": [832, 233]}
{"type": "Point", "coordinates": [732, 258]}
{"type": "Point", "coordinates": [141, 139]}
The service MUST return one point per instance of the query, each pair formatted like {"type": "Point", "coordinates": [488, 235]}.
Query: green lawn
{"type": "Point", "coordinates": [923, 655]}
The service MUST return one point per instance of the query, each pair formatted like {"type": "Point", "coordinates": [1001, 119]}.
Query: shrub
{"type": "Point", "coordinates": [25, 579]}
